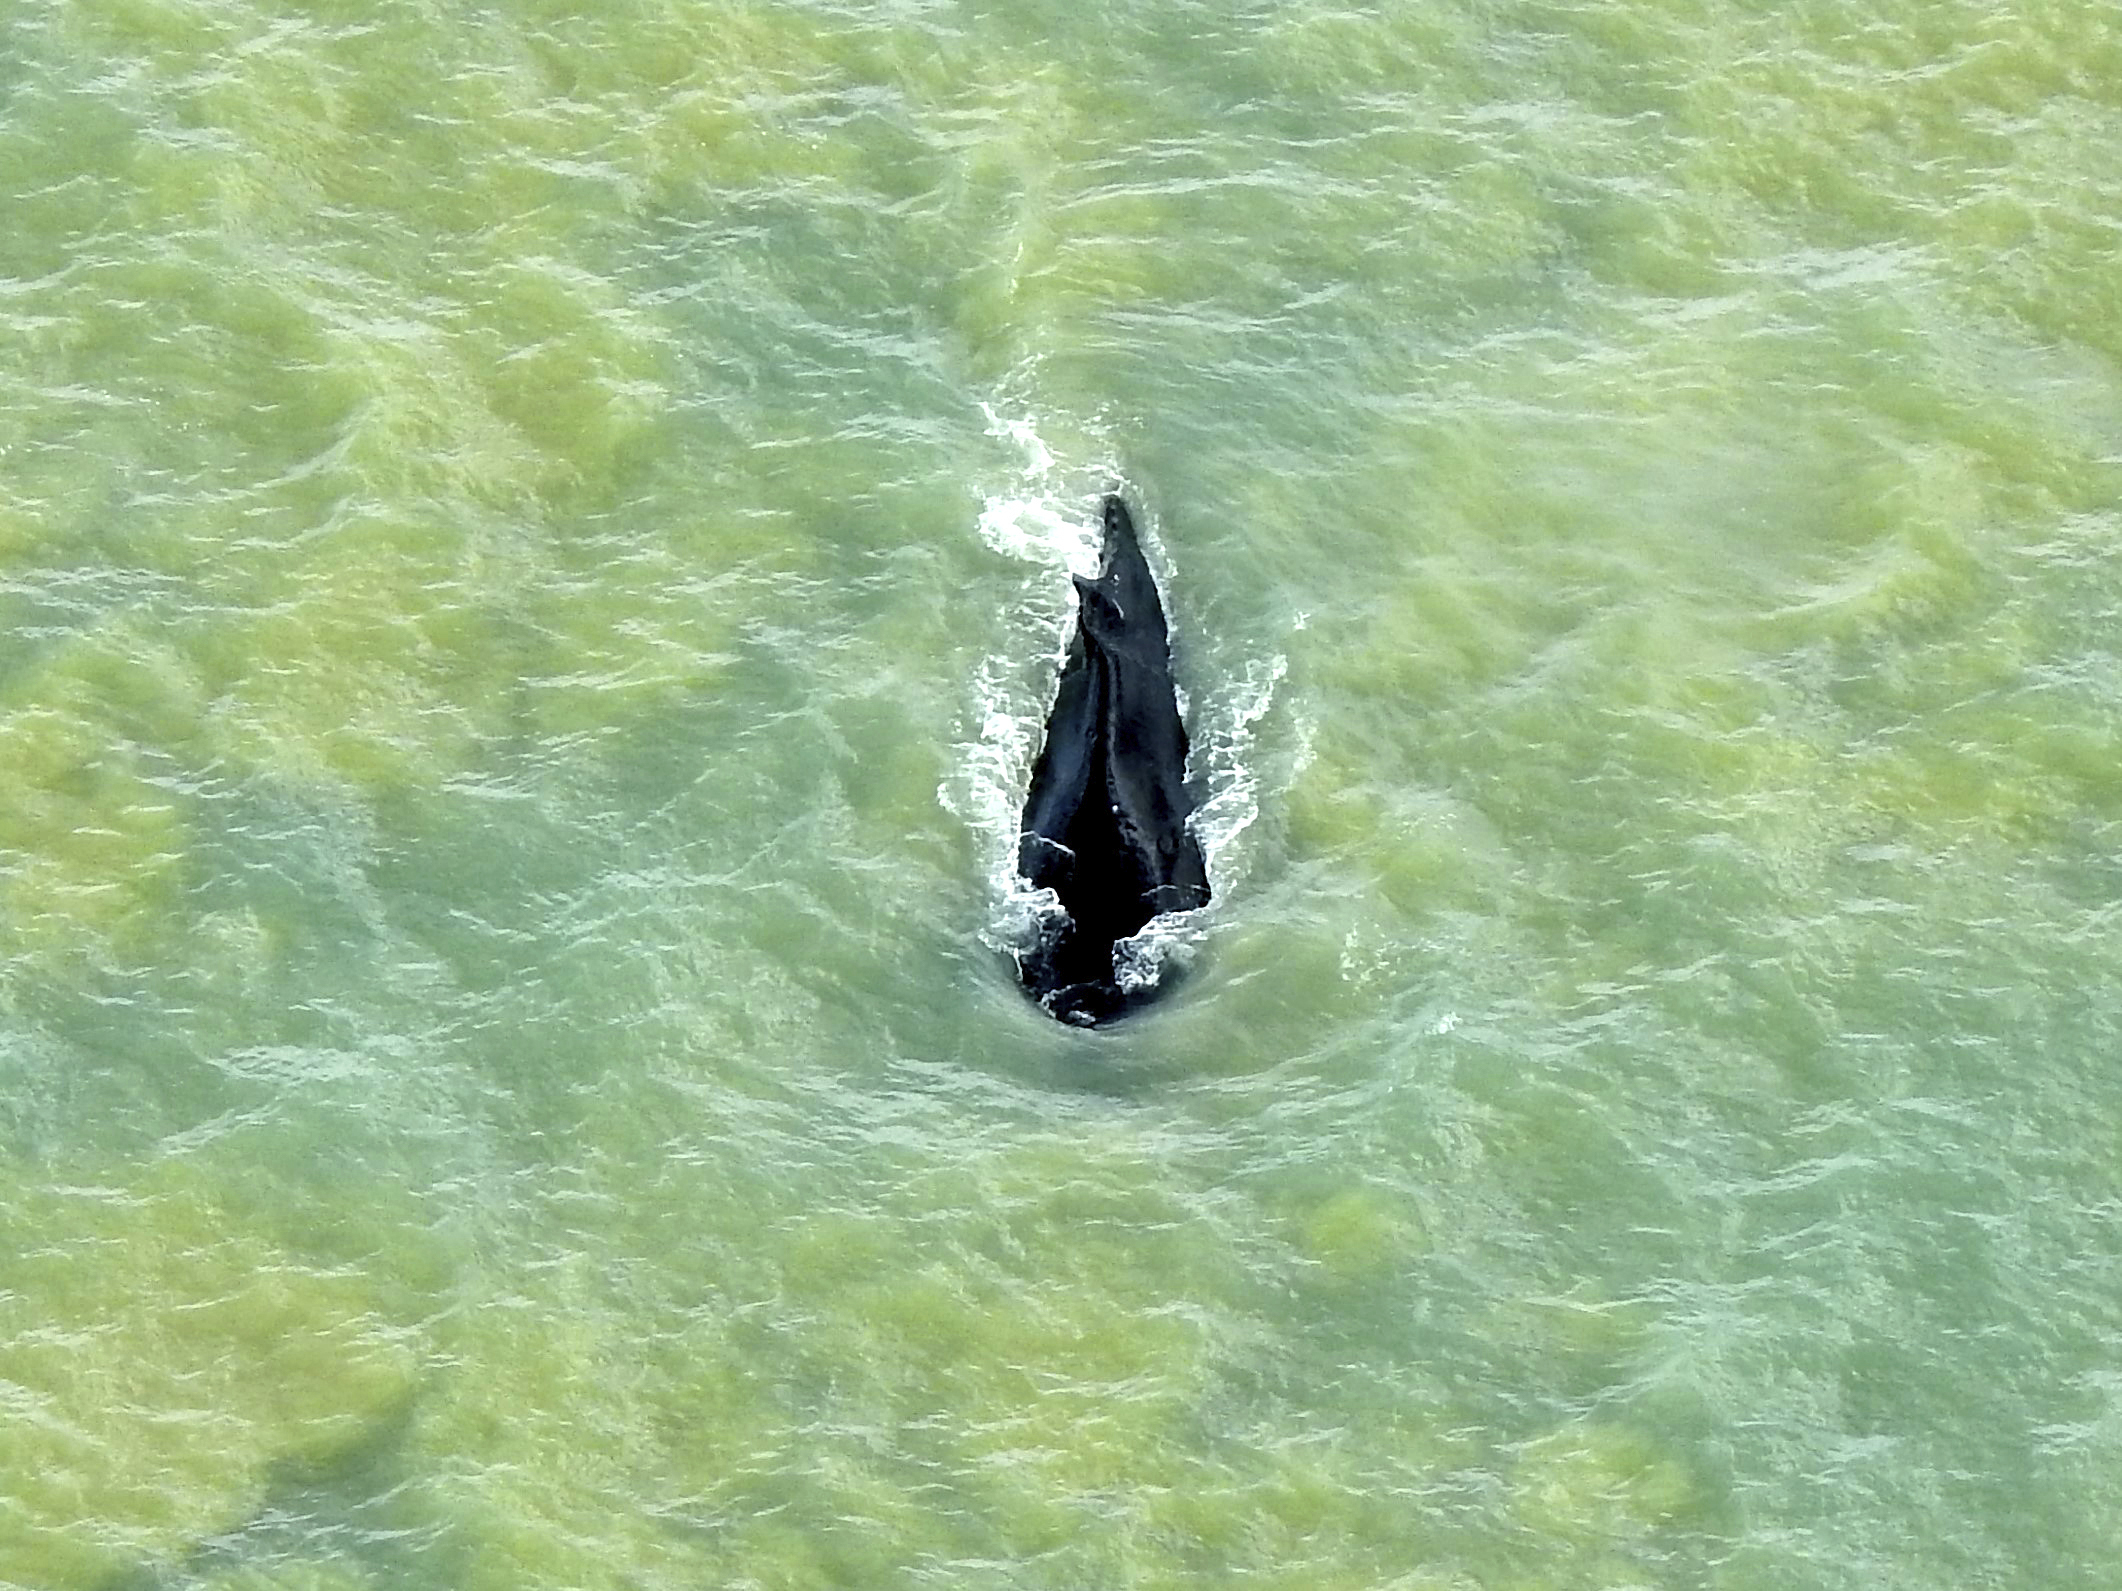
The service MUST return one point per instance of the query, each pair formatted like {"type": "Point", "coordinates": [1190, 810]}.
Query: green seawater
{"type": "Point", "coordinates": [532, 554]}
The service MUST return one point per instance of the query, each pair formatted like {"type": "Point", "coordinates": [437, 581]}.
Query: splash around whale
{"type": "Point", "coordinates": [1105, 823]}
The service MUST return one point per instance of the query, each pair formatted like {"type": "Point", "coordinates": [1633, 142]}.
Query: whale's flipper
{"type": "Point", "coordinates": [1105, 824]}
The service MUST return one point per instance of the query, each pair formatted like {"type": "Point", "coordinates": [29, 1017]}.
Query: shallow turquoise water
{"type": "Point", "coordinates": [532, 551]}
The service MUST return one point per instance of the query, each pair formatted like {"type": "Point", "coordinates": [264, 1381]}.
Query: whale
{"type": "Point", "coordinates": [1106, 818]}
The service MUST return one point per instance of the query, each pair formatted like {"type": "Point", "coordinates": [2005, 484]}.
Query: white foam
{"type": "Point", "coordinates": [988, 795]}
{"type": "Point", "coordinates": [1035, 518]}
{"type": "Point", "coordinates": [1020, 430]}
{"type": "Point", "coordinates": [1168, 939]}
{"type": "Point", "coordinates": [1233, 800]}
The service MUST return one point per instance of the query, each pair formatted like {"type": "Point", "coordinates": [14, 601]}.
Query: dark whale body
{"type": "Point", "coordinates": [1105, 822]}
